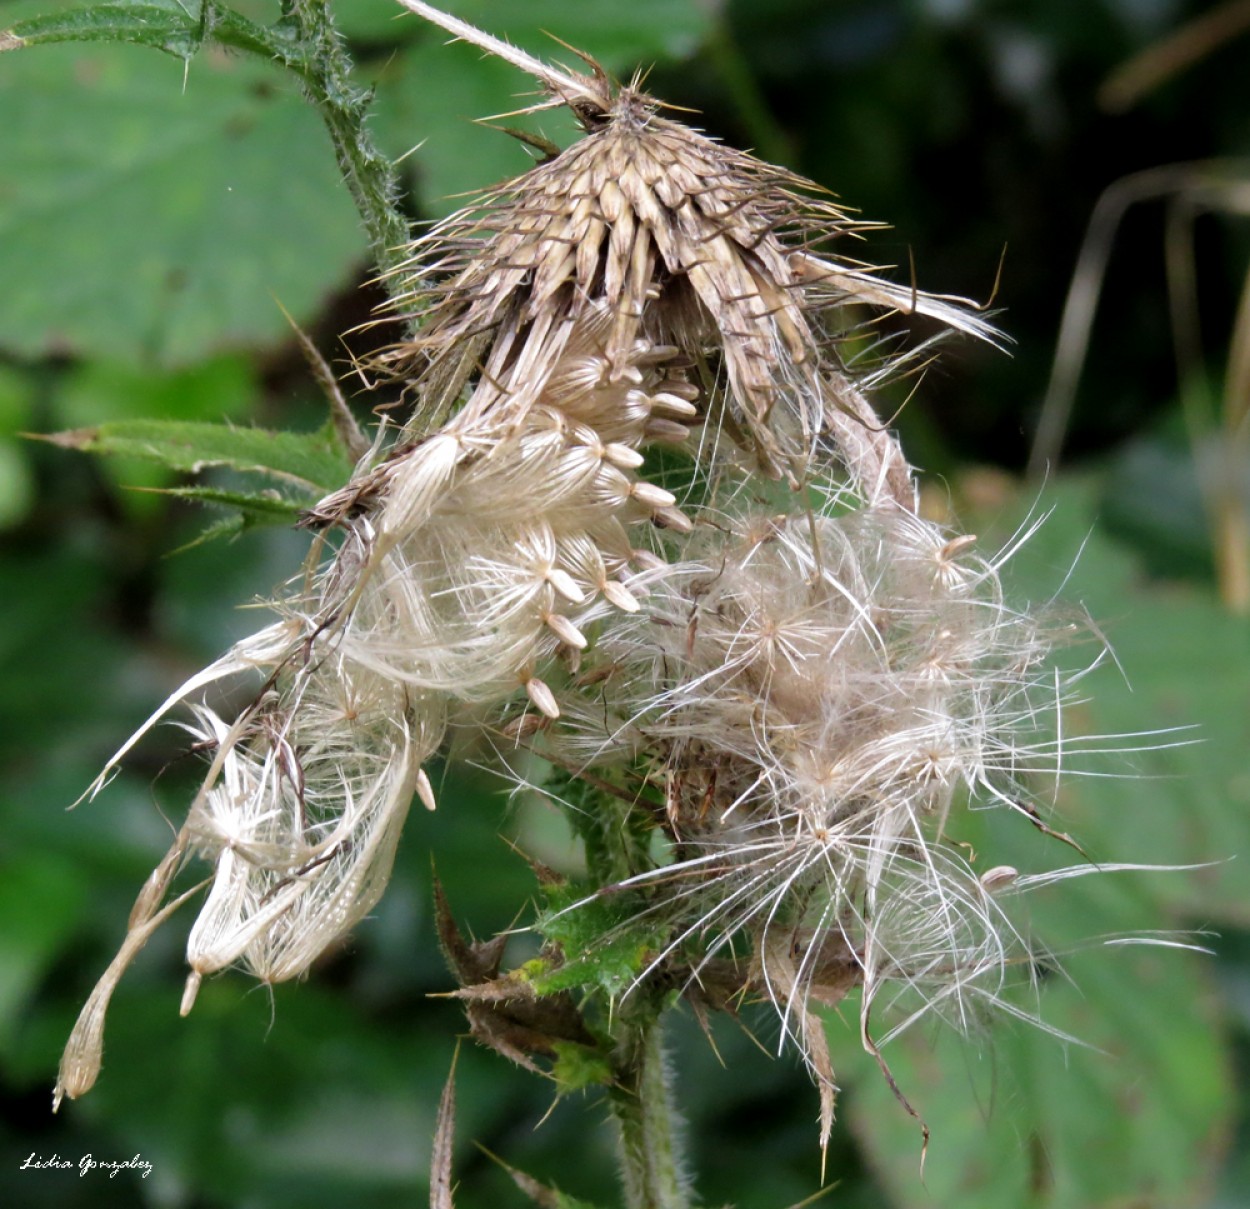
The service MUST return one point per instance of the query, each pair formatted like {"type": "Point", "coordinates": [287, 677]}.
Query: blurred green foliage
{"type": "Point", "coordinates": [149, 218]}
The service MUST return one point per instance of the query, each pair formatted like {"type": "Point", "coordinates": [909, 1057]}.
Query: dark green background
{"type": "Point", "coordinates": [147, 225]}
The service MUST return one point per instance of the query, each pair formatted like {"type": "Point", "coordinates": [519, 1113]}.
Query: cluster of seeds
{"type": "Point", "coordinates": [816, 691]}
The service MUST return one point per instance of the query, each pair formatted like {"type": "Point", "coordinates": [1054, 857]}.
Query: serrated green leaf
{"type": "Point", "coordinates": [248, 511]}
{"type": "Point", "coordinates": [148, 217]}
{"type": "Point", "coordinates": [171, 29]}
{"type": "Point", "coordinates": [311, 460]}
{"type": "Point", "coordinates": [95, 392]}
{"type": "Point", "coordinates": [266, 508]}
{"type": "Point", "coordinates": [227, 528]}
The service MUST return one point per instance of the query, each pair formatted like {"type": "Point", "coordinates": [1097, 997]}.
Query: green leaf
{"type": "Point", "coordinates": [96, 392]}
{"type": "Point", "coordinates": [170, 29]}
{"type": "Point", "coordinates": [1178, 792]}
{"type": "Point", "coordinates": [267, 508]}
{"type": "Point", "coordinates": [606, 942]}
{"type": "Point", "coordinates": [1019, 1118]}
{"type": "Point", "coordinates": [248, 511]}
{"type": "Point", "coordinates": [312, 460]}
{"type": "Point", "coordinates": [149, 217]}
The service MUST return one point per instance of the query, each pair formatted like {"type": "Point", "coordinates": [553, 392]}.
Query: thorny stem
{"type": "Point", "coordinates": [370, 176]}
{"type": "Point", "coordinates": [640, 1096]}
{"type": "Point", "coordinates": [642, 1105]}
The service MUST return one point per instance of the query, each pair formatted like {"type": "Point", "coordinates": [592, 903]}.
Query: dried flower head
{"type": "Point", "coordinates": [796, 677]}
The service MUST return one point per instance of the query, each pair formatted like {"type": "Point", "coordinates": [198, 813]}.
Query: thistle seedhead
{"type": "Point", "coordinates": [764, 628]}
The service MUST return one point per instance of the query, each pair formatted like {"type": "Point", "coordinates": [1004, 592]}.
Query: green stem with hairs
{"type": "Point", "coordinates": [326, 72]}
{"type": "Point", "coordinates": [617, 838]}
{"type": "Point", "coordinates": [641, 1102]}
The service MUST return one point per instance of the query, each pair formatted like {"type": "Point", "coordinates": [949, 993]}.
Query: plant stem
{"type": "Point", "coordinates": [617, 837]}
{"type": "Point", "coordinates": [1232, 531]}
{"type": "Point", "coordinates": [642, 1105]}
{"type": "Point", "coordinates": [370, 175]}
